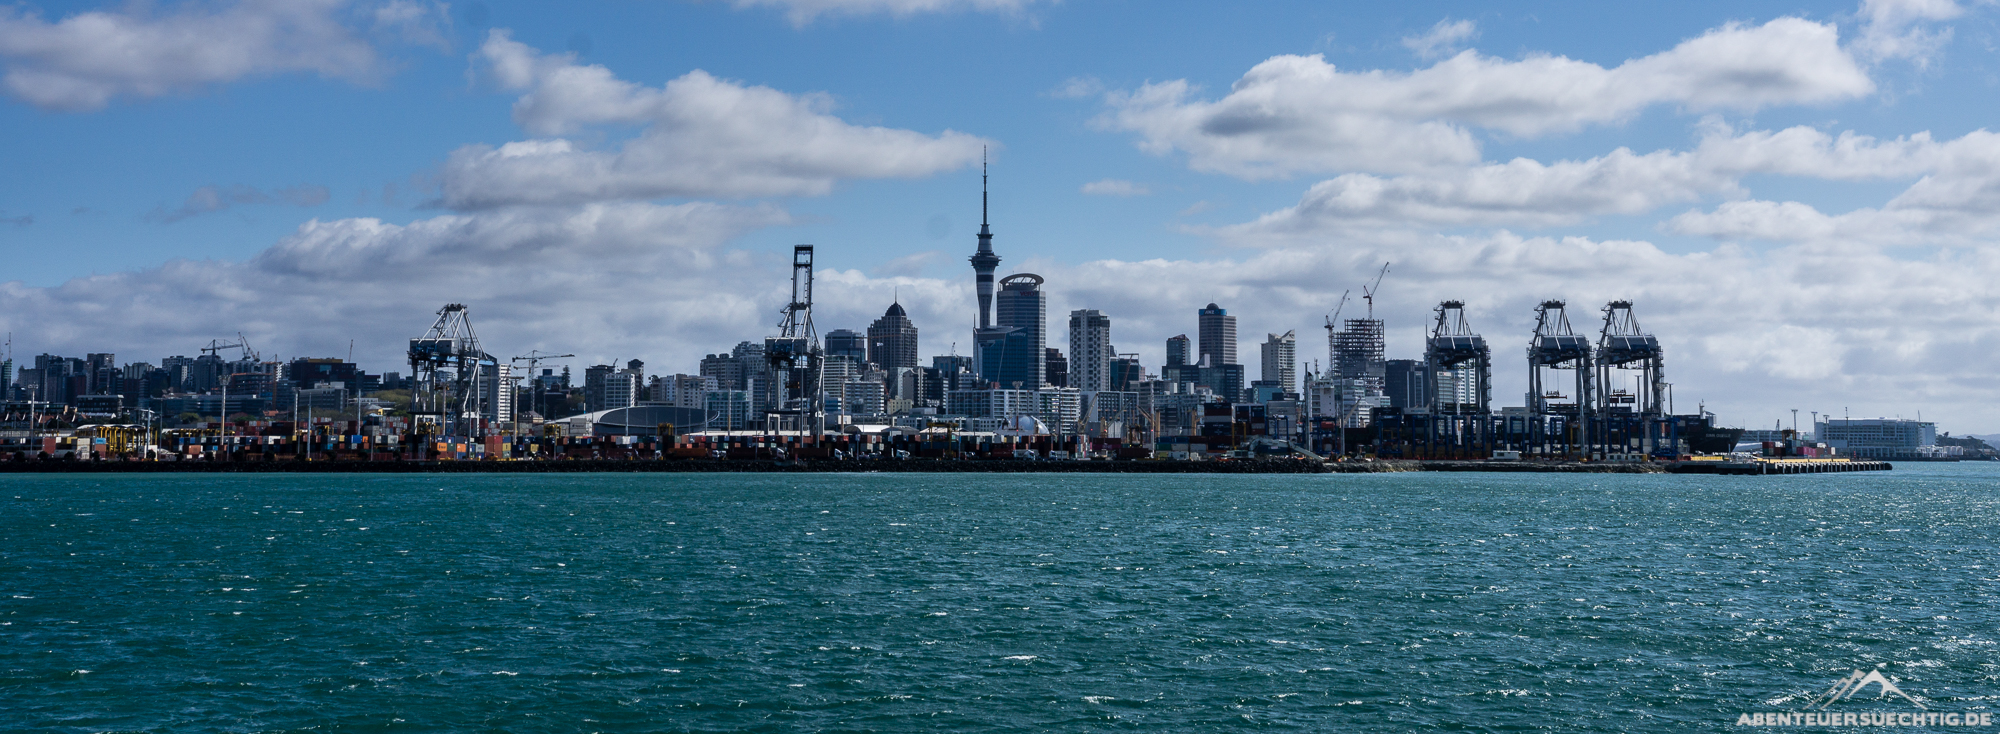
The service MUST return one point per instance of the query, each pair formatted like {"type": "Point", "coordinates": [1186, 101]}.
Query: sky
{"type": "Point", "coordinates": [1800, 199]}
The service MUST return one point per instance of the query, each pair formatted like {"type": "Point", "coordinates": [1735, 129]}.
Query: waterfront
{"type": "Point", "coordinates": [914, 602]}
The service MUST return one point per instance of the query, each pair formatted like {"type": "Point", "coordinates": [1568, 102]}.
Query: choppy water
{"type": "Point", "coordinates": [529, 603]}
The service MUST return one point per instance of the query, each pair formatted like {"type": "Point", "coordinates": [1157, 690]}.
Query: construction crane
{"type": "Point", "coordinates": [215, 347]}
{"type": "Point", "coordinates": [1368, 291]}
{"type": "Point", "coordinates": [450, 374]}
{"type": "Point", "coordinates": [1333, 325]}
{"type": "Point", "coordinates": [535, 358]}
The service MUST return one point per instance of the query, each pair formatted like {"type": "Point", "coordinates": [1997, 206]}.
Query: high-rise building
{"type": "Point", "coordinates": [621, 390]}
{"type": "Point", "coordinates": [1403, 380]}
{"type": "Point", "coordinates": [1281, 363]}
{"type": "Point", "coordinates": [1020, 331]}
{"type": "Point", "coordinates": [1125, 372]}
{"type": "Point", "coordinates": [892, 339]}
{"type": "Point", "coordinates": [594, 378]}
{"type": "Point", "coordinates": [1179, 351]}
{"type": "Point", "coordinates": [846, 343]}
{"type": "Point", "coordinates": [1055, 368]}
{"type": "Point", "coordinates": [1090, 350]}
{"type": "Point", "coordinates": [496, 386]}
{"type": "Point", "coordinates": [1216, 335]}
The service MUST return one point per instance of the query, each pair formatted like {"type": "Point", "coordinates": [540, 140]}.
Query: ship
{"type": "Point", "coordinates": [1704, 437]}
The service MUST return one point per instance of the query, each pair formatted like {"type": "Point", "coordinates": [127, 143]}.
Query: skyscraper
{"type": "Point", "coordinates": [846, 343]}
{"type": "Point", "coordinates": [1089, 350]}
{"type": "Point", "coordinates": [892, 339]}
{"type": "Point", "coordinates": [1281, 363]}
{"type": "Point", "coordinates": [1217, 336]}
{"type": "Point", "coordinates": [1179, 351]}
{"type": "Point", "coordinates": [1021, 316]}
{"type": "Point", "coordinates": [1055, 368]}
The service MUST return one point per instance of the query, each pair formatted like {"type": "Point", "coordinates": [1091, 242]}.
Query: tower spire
{"type": "Point", "coordinates": [983, 260]}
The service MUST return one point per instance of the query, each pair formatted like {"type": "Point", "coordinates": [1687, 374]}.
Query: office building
{"type": "Point", "coordinates": [1876, 438]}
{"type": "Point", "coordinates": [847, 343]}
{"type": "Point", "coordinates": [1216, 335]}
{"type": "Point", "coordinates": [1403, 380]}
{"type": "Point", "coordinates": [1179, 351]}
{"type": "Point", "coordinates": [1124, 372]}
{"type": "Point", "coordinates": [1280, 360]}
{"type": "Point", "coordinates": [892, 339]}
{"type": "Point", "coordinates": [1090, 350]}
{"type": "Point", "coordinates": [1012, 352]}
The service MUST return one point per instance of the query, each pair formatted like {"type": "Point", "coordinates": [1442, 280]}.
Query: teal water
{"type": "Point", "coordinates": [1392, 602]}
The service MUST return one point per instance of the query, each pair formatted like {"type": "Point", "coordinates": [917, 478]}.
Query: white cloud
{"type": "Point", "coordinates": [84, 61]}
{"type": "Point", "coordinates": [1115, 187]}
{"type": "Point", "coordinates": [801, 12]}
{"type": "Point", "coordinates": [1961, 187]}
{"type": "Point", "coordinates": [415, 23]}
{"type": "Point", "coordinates": [211, 199]}
{"type": "Point", "coordinates": [1078, 87]}
{"type": "Point", "coordinates": [633, 279]}
{"type": "Point", "coordinates": [701, 137]}
{"type": "Point", "coordinates": [1752, 334]}
{"type": "Point", "coordinates": [1899, 29]}
{"type": "Point", "coordinates": [1444, 38]}
{"type": "Point", "coordinates": [1296, 114]}
{"type": "Point", "coordinates": [1955, 200]}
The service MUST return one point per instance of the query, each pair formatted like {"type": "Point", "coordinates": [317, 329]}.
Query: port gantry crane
{"type": "Point", "coordinates": [795, 355]}
{"type": "Point", "coordinates": [1622, 345]}
{"type": "Point", "coordinates": [1555, 348]}
{"type": "Point", "coordinates": [449, 374]}
{"type": "Point", "coordinates": [535, 358]}
{"type": "Point", "coordinates": [1453, 344]}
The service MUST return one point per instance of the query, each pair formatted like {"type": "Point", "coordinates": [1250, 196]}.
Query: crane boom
{"type": "Point", "coordinates": [1368, 291]}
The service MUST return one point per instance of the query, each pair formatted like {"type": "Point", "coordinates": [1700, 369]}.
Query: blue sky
{"type": "Point", "coordinates": [319, 171]}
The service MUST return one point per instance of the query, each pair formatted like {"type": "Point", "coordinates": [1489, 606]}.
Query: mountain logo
{"type": "Point", "coordinates": [1845, 688]}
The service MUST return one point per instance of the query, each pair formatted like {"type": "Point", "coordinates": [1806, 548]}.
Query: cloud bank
{"type": "Point", "coordinates": [700, 136]}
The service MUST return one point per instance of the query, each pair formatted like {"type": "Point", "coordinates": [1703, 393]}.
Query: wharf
{"type": "Point", "coordinates": [1762, 467]}
{"type": "Point", "coordinates": [853, 466]}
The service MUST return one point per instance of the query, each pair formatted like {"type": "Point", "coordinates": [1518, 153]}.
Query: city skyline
{"type": "Point", "coordinates": [1794, 242]}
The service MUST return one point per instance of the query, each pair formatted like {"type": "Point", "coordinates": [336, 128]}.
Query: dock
{"type": "Point", "coordinates": [1762, 467]}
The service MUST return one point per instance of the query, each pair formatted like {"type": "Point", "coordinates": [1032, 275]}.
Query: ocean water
{"type": "Point", "coordinates": [920, 603]}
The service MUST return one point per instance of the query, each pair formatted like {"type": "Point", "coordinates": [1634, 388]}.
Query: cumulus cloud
{"type": "Point", "coordinates": [378, 283]}
{"type": "Point", "coordinates": [1959, 191]}
{"type": "Point", "coordinates": [700, 137]}
{"type": "Point", "coordinates": [1750, 333]}
{"type": "Point", "coordinates": [1901, 29]}
{"type": "Point", "coordinates": [415, 23]}
{"type": "Point", "coordinates": [802, 12]}
{"type": "Point", "coordinates": [1297, 114]}
{"type": "Point", "coordinates": [210, 199]}
{"type": "Point", "coordinates": [1444, 38]}
{"type": "Point", "coordinates": [84, 61]}
{"type": "Point", "coordinates": [1115, 187]}
{"type": "Point", "coordinates": [1955, 200]}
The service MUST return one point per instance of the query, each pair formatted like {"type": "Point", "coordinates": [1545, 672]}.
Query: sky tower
{"type": "Point", "coordinates": [984, 261]}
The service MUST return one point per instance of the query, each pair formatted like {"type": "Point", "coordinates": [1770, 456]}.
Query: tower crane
{"type": "Point", "coordinates": [535, 358]}
{"type": "Point", "coordinates": [1368, 291]}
